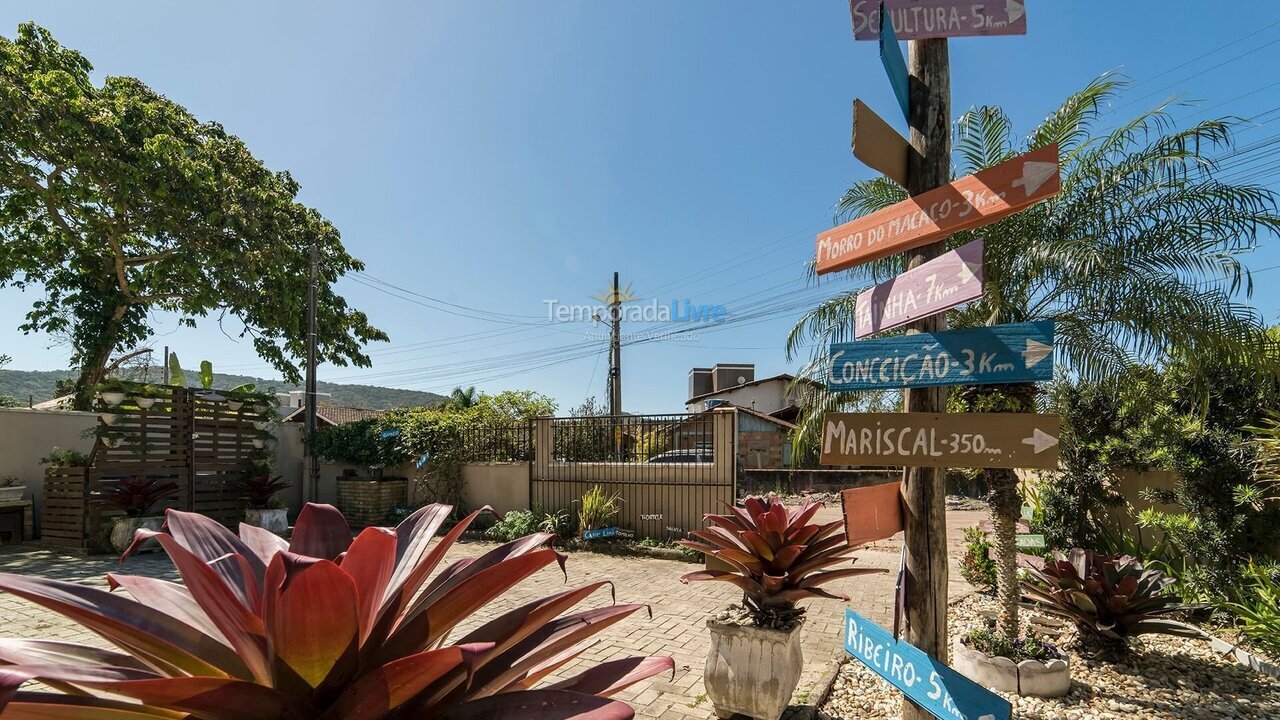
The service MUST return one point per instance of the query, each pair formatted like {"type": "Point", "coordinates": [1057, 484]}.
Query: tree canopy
{"type": "Point", "coordinates": [116, 202]}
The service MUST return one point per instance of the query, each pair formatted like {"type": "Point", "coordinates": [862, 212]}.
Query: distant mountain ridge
{"type": "Point", "coordinates": [38, 385]}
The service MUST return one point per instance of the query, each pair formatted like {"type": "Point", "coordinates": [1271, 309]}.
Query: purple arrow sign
{"type": "Point", "coordinates": [918, 19]}
{"type": "Point", "coordinates": [940, 284]}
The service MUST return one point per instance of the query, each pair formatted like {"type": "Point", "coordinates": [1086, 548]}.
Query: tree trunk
{"type": "Point", "coordinates": [93, 360]}
{"type": "Point", "coordinates": [1006, 508]}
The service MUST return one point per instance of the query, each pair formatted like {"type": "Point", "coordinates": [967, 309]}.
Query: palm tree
{"type": "Point", "coordinates": [1138, 256]}
{"type": "Point", "coordinates": [461, 399]}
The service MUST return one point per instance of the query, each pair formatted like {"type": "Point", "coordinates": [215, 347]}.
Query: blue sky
{"type": "Point", "coordinates": [496, 155]}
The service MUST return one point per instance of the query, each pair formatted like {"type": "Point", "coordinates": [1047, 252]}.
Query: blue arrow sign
{"type": "Point", "coordinates": [895, 66]}
{"type": "Point", "coordinates": [980, 356]}
{"type": "Point", "coordinates": [945, 693]}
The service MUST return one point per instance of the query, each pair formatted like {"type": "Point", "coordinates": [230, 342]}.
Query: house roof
{"type": "Point", "coordinates": [58, 403]}
{"type": "Point", "coordinates": [755, 413]}
{"type": "Point", "coordinates": [785, 377]}
{"type": "Point", "coordinates": [333, 414]}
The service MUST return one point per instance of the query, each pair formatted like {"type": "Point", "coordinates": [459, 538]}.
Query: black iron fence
{"type": "Point", "coordinates": [498, 443]}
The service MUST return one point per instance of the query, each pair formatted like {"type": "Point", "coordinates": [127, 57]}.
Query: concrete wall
{"type": "Point", "coordinates": [505, 486]}
{"type": "Point", "coordinates": [290, 462]}
{"type": "Point", "coordinates": [28, 435]}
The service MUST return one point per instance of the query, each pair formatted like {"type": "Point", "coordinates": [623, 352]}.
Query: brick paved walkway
{"type": "Point", "coordinates": [677, 627]}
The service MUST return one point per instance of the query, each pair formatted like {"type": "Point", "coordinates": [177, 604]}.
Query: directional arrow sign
{"type": "Point", "coordinates": [964, 204]}
{"type": "Point", "coordinates": [878, 145]}
{"type": "Point", "coordinates": [940, 284]}
{"type": "Point", "coordinates": [929, 683]}
{"type": "Point", "coordinates": [895, 66]}
{"type": "Point", "coordinates": [977, 356]}
{"type": "Point", "coordinates": [958, 440]}
{"type": "Point", "coordinates": [918, 19]}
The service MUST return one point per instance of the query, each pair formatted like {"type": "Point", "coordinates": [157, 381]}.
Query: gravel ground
{"type": "Point", "coordinates": [1163, 677]}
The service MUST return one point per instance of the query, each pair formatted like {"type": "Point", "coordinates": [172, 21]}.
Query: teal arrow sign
{"type": "Point", "coordinates": [945, 693]}
{"type": "Point", "coordinates": [978, 356]}
{"type": "Point", "coordinates": [895, 66]}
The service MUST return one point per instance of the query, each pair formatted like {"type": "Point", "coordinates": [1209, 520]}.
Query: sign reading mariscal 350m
{"type": "Point", "coordinates": [979, 356]}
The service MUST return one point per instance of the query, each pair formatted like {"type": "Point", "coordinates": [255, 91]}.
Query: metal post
{"type": "Point", "coordinates": [313, 466]}
{"type": "Point", "coordinates": [615, 366]}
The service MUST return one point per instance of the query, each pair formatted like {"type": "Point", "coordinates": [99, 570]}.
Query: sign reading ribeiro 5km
{"type": "Point", "coordinates": [945, 693]}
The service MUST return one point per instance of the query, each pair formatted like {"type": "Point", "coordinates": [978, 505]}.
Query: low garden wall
{"type": "Point", "coordinates": [792, 482]}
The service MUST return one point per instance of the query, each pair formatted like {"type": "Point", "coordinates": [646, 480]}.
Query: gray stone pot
{"type": "Point", "coordinates": [13, 493]}
{"type": "Point", "coordinates": [1028, 677]}
{"type": "Point", "coordinates": [752, 671]}
{"type": "Point", "coordinates": [274, 520]}
{"type": "Point", "coordinates": [123, 528]}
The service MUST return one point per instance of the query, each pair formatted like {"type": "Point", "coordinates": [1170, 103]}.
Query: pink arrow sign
{"type": "Point", "coordinates": [918, 19]}
{"type": "Point", "coordinates": [940, 284]}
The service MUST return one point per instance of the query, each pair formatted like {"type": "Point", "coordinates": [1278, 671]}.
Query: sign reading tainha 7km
{"type": "Point", "coordinates": [964, 204]}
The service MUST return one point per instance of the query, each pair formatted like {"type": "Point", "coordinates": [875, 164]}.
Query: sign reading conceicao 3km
{"type": "Point", "coordinates": [964, 204]}
{"type": "Point", "coordinates": [968, 440]}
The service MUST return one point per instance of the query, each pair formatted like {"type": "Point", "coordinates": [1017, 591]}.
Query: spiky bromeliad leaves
{"type": "Point", "coordinates": [321, 627]}
{"type": "Point", "coordinates": [1111, 598]}
{"type": "Point", "coordinates": [775, 555]}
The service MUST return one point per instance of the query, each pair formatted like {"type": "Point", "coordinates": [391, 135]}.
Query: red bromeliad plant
{"type": "Point", "coordinates": [135, 497]}
{"type": "Point", "coordinates": [321, 627]}
{"type": "Point", "coordinates": [777, 556]}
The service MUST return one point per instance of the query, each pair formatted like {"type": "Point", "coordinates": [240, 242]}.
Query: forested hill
{"type": "Point", "coordinates": [40, 385]}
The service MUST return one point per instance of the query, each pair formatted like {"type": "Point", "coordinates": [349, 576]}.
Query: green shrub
{"type": "Point", "coordinates": [1255, 603]}
{"type": "Point", "coordinates": [993, 642]}
{"type": "Point", "coordinates": [977, 567]}
{"type": "Point", "coordinates": [514, 524]}
{"type": "Point", "coordinates": [597, 508]}
{"type": "Point", "coordinates": [58, 457]}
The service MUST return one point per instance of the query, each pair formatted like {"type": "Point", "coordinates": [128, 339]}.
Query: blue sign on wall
{"type": "Point", "coordinates": [980, 356]}
{"type": "Point", "coordinates": [925, 681]}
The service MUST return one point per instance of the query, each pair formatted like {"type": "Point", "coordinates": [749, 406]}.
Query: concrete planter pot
{"type": "Point", "coordinates": [123, 528]}
{"type": "Point", "coordinates": [752, 671]}
{"type": "Point", "coordinates": [13, 493]}
{"type": "Point", "coordinates": [143, 402]}
{"type": "Point", "coordinates": [112, 397]}
{"type": "Point", "coordinates": [1028, 677]}
{"type": "Point", "coordinates": [274, 520]}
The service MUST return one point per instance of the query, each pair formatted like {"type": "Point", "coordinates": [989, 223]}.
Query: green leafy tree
{"type": "Point", "coordinates": [116, 202]}
{"type": "Point", "coordinates": [1140, 254]}
{"type": "Point", "coordinates": [461, 399]}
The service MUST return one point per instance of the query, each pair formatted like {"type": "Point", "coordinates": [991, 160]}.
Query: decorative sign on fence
{"type": "Point", "coordinates": [942, 283]}
{"type": "Point", "coordinates": [945, 693]}
{"type": "Point", "coordinates": [895, 66]}
{"type": "Point", "coordinates": [969, 440]}
{"type": "Point", "coordinates": [878, 145]}
{"type": "Point", "coordinates": [977, 356]}
{"type": "Point", "coordinates": [872, 513]}
{"type": "Point", "coordinates": [920, 19]}
{"type": "Point", "coordinates": [964, 204]}
{"type": "Point", "coordinates": [608, 532]}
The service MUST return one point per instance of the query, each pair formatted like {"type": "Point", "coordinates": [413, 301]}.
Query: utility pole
{"type": "Point", "coordinates": [928, 166]}
{"type": "Point", "coordinates": [313, 466]}
{"type": "Point", "coordinates": [164, 366]}
{"type": "Point", "coordinates": [615, 367]}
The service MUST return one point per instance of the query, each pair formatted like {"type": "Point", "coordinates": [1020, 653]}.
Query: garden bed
{"type": "Point", "coordinates": [1162, 677]}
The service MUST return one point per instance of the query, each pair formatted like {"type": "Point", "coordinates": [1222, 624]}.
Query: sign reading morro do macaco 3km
{"type": "Point", "coordinates": [964, 204]}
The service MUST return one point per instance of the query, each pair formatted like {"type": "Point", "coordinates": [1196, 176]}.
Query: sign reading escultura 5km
{"type": "Point", "coordinates": [964, 204]}
{"type": "Point", "coordinates": [920, 19]}
{"type": "Point", "coordinates": [977, 356]}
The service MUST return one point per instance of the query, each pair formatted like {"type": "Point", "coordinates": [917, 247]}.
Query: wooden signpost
{"type": "Point", "coordinates": [927, 682]}
{"type": "Point", "coordinates": [965, 204]}
{"type": "Point", "coordinates": [976, 356]}
{"type": "Point", "coordinates": [942, 283]}
{"type": "Point", "coordinates": [919, 19]}
{"type": "Point", "coordinates": [878, 145]}
{"type": "Point", "coordinates": [977, 440]}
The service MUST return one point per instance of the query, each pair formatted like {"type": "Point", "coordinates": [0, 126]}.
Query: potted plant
{"type": "Point", "coordinates": [146, 396]}
{"type": "Point", "coordinates": [111, 392]}
{"type": "Point", "coordinates": [10, 490]}
{"type": "Point", "coordinates": [777, 556]}
{"type": "Point", "coordinates": [136, 498]}
{"type": "Point", "coordinates": [262, 508]}
{"type": "Point", "coordinates": [58, 457]}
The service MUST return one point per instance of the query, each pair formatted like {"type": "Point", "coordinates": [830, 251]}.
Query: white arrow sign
{"type": "Point", "coordinates": [1015, 10]}
{"type": "Point", "coordinates": [968, 271]}
{"type": "Point", "coordinates": [1040, 441]}
{"type": "Point", "coordinates": [1035, 352]}
{"type": "Point", "coordinates": [1035, 174]}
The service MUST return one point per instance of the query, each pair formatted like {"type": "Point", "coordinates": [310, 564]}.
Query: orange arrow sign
{"type": "Point", "coordinates": [964, 204]}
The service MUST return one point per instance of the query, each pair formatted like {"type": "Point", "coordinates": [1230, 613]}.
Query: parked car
{"type": "Point", "coordinates": [683, 456]}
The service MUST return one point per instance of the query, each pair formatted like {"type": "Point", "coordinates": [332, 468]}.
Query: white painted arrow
{"type": "Point", "coordinates": [1035, 352]}
{"type": "Point", "coordinates": [1015, 9]}
{"type": "Point", "coordinates": [1034, 174]}
{"type": "Point", "coordinates": [1040, 440]}
{"type": "Point", "coordinates": [968, 271]}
